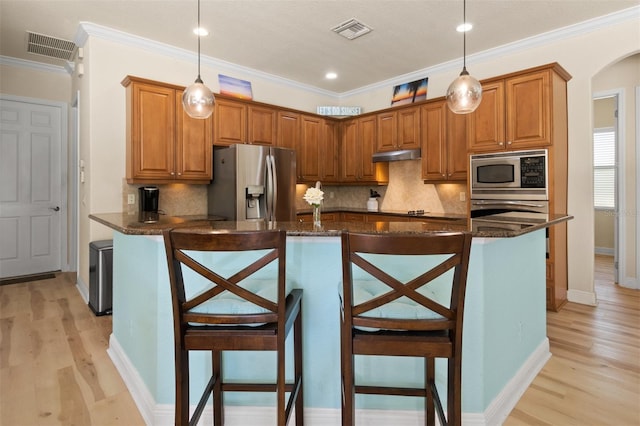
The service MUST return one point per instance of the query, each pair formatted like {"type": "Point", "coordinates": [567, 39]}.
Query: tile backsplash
{"type": "Point", "coordinates": [406, 191]}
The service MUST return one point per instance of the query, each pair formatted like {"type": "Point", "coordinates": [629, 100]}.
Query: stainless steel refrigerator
{"type": "Point", "coordinates": [252, 182]}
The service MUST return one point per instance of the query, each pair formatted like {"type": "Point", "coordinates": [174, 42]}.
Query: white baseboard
{"type": "Point", "coordinates": [582, 297]}
{"type": "Point", "coordinates": [83, 288]}
{"type": "Point", "coordinates": [607, 251]}
{"type": "Point", "coordinates": [630, 282]}
{"type": "Point", "coordinates": [162, 414]}
{"type": "Point", "coordinates": [499, 409]}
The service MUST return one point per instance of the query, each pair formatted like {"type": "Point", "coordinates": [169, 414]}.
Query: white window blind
{"type": "Point", "coordinates": [604, 168]}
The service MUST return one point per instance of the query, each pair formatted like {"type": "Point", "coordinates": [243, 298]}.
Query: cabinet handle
{"type": "Point", "coordinates": [179, 174]}
{"type": "Point", "coordinates": [500, 143]}
{"type": "Point", "coordinates": [509, 143]}
{"type": "Point", "coordinates": [172, 173]}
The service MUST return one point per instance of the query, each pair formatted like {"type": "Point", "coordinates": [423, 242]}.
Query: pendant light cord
{"type": "Point", "coordinates": [464, 35]}
{"type": "Point", "coordinates": [199, 80]}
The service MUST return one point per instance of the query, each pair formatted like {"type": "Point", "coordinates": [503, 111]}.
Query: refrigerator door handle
{"type": "Point", "coordinates": [271, 188]}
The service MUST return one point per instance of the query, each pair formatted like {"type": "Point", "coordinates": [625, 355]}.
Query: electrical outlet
{"type": "Point", "coordinates": [332, 194]}
{"type": "Point", "coordinates": [463, 196]}
{"type": "Point", "coordinates": [131, 199]}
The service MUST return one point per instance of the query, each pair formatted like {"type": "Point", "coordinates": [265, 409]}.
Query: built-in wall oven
{"type": "Point", "coordinates": [509, 190]}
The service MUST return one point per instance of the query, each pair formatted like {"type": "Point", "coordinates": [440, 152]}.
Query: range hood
{"type": "Point", "coordinates": [405, 154]}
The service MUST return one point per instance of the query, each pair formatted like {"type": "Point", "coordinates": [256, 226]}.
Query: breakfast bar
{"type": "Point", "coordinates": [505, 343]}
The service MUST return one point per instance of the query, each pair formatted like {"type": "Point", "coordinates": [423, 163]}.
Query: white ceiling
{"type": "Point", "coordinates": [293, 38]}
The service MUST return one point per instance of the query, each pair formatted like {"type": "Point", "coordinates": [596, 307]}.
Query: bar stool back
{"type": "Point", "coordinates": [232, 311]}
{"type": "Point", "coordinates": [388, 316]}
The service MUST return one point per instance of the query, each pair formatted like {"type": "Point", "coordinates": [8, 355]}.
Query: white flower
{"type": "Point", "coordinates": [314, 196]}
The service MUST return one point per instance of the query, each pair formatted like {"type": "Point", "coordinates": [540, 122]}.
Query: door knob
{"type": "Point", "coordinates": [55, 209]}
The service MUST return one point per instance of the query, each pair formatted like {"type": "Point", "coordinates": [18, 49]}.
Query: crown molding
{"type": "Point", "coordinates": [506, 49]}
{"type": "Point", "coordinates": [34, 65]}
{"type": "Point", "coordinates": [89, 29]}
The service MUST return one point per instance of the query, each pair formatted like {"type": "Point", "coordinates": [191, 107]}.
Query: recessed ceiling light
{"type": "Point", "coordinates": [462, 28]}
{"type": "Point", "coordinates": [331, 76]}
{"type": "Point", "coordinates": [201, 31]}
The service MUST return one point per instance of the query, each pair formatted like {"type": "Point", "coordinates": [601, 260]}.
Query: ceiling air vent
{"type": "Point", "coordinates": [45, 45]}
{"type": "Point", "coordinates": [352, 29]}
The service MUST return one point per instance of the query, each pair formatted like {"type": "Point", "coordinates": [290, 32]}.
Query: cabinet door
{"type": "Point", "coordinates": [409, 128]}
{"type": "Point", "coordinates": [528, 110]}
{"type": "Point", "coordinates": [433, 118]}
{"type": "Point", "coordinates": [230, 122]}
{"type": "Point", "coordinates": [288, 135]}
{"type": "Point", "coordinates": [194, 145]}
{"type": "Point", "coordinates": [262, 125]}
{"type": "Point", "coordinates": [152, 121]}
{"type": "Point", "coordinates": [486, 124]}
{"type": "Point", "coordinates": [329, 152]}
{"type": "Point", "coordinates": [367, 140]}
{"type": "Point", "coordinates": [350, 170]}
{"type": "Point", "coordinates": [457, 157]}
{"type": "Point", "coordinates": [387, 131]}
{"type": "Point", "coordinates": [309, 161]}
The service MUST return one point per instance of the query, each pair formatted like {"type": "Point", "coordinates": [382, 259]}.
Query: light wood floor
{"type": "Point", "coordinates": [54, 369]}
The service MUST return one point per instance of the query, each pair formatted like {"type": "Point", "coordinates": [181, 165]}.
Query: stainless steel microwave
{"type": "Point", "coordinates": [515, 175]}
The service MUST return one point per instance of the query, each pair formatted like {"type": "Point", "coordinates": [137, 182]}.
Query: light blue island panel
{"type": "Point", "coordinates": [504, 325]}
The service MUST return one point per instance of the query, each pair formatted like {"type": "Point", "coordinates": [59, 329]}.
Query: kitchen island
{"type": "Point", "coordinates": [505, 343]}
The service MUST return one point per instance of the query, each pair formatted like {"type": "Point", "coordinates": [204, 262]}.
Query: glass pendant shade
{"type": "Point", "coordinates": [464, 94]}
{"type": "Point", "coordinates": [198, 100]}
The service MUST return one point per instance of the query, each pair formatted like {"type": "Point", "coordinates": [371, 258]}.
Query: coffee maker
{"type": "Point", "coordinates": [148, 196]}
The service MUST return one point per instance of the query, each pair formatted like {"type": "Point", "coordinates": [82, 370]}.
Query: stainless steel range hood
{"type": "Point", "coordinates": [405, 154]}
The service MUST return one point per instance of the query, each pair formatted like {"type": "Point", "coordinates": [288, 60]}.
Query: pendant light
{"type": "Point", "coordinates": [465, 92]}
{"type": "Point", "coordinates": [197, 99]}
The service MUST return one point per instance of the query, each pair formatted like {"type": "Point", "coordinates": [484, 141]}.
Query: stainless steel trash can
{"type": "Point", "coordinates": [101, 276]}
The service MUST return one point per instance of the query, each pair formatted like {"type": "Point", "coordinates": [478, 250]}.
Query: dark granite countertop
{"type": "Point", "coordinates": [399, 213]}
{"type": "Point", "coordinates": [485, 227]}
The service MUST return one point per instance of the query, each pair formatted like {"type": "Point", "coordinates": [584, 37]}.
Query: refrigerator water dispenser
{"type": "Point", "coordinates": [254, 194]}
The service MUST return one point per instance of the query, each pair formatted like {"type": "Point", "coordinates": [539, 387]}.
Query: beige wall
{"type": "Point", "coordinates": [624, 76]}
{"type": "Point", "coordinates": [50, 83]}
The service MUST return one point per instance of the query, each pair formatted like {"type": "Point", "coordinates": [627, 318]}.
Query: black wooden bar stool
{"type": "Point", "coordinates": [384, 315]}
{"type": "Point", "coordinates": [236, 312]}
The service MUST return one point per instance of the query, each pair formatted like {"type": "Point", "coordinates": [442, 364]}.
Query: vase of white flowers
{"type": "Point", "coordinates": [314, 197]}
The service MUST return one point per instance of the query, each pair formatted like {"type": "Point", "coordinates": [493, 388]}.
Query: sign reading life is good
{"type": "Point", "coordinates": [339, 110]}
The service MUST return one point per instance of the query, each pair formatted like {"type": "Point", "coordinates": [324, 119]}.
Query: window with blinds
{"type": "Point", "coordinates": [604, 168]}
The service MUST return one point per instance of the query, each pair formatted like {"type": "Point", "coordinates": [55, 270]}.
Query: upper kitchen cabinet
{"type": "Point", "coordinates": [358, 145]}
{"type": "Point", "coordinates": [398, 129]}
{"type": "Point", "coordinates": [230, 122]}
{"type": "Point", "coordinates": [262, 124]}
{"type": "Point", "coordinates": [518, 111]}
{"type": "Point", "coordinates": [288, 129]}
{"type": "Point", "coordinates": [444, 149]}
{"type": "Point", "coordinates": [317, 155]}
{"type": "Point", "coordinates": [241, 122]}
{"type": "Point", "coordinates": [164, 144]}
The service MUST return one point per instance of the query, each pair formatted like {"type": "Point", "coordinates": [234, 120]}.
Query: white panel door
{"type": "Point", "coordinates": [30, 182]}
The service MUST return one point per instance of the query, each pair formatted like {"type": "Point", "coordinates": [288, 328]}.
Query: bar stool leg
{"type": "Point", "coordinates": [430, 375]}
{"type": "Point", "coordinates": [297, 350]}
{"type": "Point", "coordinates": [218, 413]}
{"type": "Point", "coordinates": [182, 387]}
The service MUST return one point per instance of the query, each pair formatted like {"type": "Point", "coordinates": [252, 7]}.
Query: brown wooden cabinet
{"type": "Point", "coordinates": [358, 146]}
{"type": "Point", "coordinates": [164, 144]}
{"type": "Point", "coordinates": [230, 122]}
{"type": "Point", "coordinates": [528, 110]}
{"type": "Point", "coordinates": [398, 129]}
{"type": "Point", "coordinates": [444, 154]}
{"type": "Point", "coordinates": [517, 111]}
{"type": "Point", "coordinates": [262, 123]}
{"type": "Point", "coordinates": [317, 150]}
{"type": "Point", "coordinates": [241, 122]}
